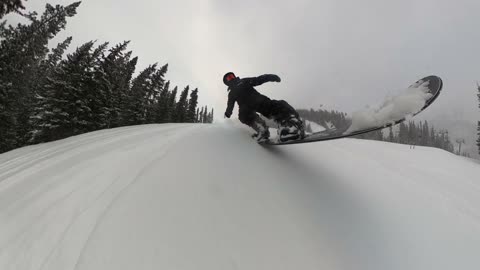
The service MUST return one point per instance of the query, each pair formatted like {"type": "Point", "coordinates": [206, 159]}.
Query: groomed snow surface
{"type": "Point", "coordinates": [189, 196]}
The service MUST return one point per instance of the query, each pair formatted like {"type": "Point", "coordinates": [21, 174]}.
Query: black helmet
{"type": "Point", "coordinates": [228, 78]}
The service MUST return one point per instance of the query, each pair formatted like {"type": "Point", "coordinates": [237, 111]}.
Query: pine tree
{"type": "Point", "coordinates": [22, 52]}
{"type": "Point", "coordinates": [153, 96]}
{"type": "Point", "coordinates": [181, 106]}
{"type": "Point", "coordinates": [47, 68]}
{"type": "Point", "coordinates": [53, 59]}
{"type": "Point", "coordinates": [7, 6]}
{"type": "Point", "coordinates": [432, 136]}
{"type": "Point", "coordinates": [44, 97]}
{"type": "Point", "coordinates": [478, 141]}
{"type": "Point", "coordinates": [391, 136]}
{"type": "Point", "coordinates": [171, 115]}
{"type": "Point", "coordinates": [65, 109]}
{"type": "Point", "coordinates": [192, 107]}
{"type": "Point", "coordinates": [403, 133]}
{"type": "Point", "coordinates": [210, 118]}
{"type": "Point", "coordinates": [92, 94]}
{"type": "Point", "coordinates": [163, 104]}
{"type": "Point", "coordinates": [200, 116]}
{"type": "Point", "coordinates": [139, 95]}
{"type": "Point", "coordinates": [205, 115]}
{"type": "Point", "coordinates": [478, 129]}
{"type": "Point", "coordinates": [412, 133]}
{"type": "Point", "coordinates": [118, 70]}
{"type": "Point", "coordinates": [321, 117]}
{"type": "Point", "coordinates": [425, 135]}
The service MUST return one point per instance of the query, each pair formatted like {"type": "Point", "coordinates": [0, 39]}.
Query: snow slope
{"type": "Point", "coordinates": [314, 126]}
{"type": "Point", "coordinates": [182, 196]}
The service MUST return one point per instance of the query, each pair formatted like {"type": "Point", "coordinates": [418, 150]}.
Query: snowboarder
{"type": "Point", "coordinates": [250, 102]}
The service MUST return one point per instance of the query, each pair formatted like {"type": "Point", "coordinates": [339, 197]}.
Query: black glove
{"type": "Point", "coordinates": [275, 78]}
{"type": "Point", "coordinates": [227, 114]}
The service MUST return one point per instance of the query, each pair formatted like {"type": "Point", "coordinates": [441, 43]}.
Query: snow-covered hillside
{"type": "Point", "coordinates": [314, 126]}
{"type": "Point", "coordinates": [183, 196]}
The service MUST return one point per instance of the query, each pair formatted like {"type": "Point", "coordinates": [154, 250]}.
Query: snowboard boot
{"type": "Point", "coordinates": [291, 128]}
{"type": "Point", "coordinates": [262, 133]}
{"type": "Point", "coordinates": [262, 137]}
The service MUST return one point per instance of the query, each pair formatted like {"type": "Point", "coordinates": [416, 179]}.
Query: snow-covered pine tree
{"type": "Point", "coordinates": [65, 109]}
{"type": "Point", "coordinates": [412, 137]}
{"type": "Point", "coordinates": [200, 116]}
{"type": "Point", "coordinates": [171, 116]}
{"type": "Point", "coordinates": [210, 118]}
{"type": "Point", "coordinates": [7, 6]}
{"type": "Point", "coordinates": [152, 97]}
{"type": "Point", "coordinates": [138, 100]}
{"type": "Point", "coordinates": [373, 135]}
{"type": "Point", "coordinates": [205, 115]}
{"type": "Point", "coordinates": [181, 106]}
{"type": "Point", "coordinates": [418, 133]}
{"type": "Point", "coordinates": [478, 128]}
{"type": "Point", "coordinates": [425, 136]}
{"type": "Point", "coordinates": [97, 91]}
{"type": "Point", "coordinates": [391, 136]}
{"type": "Point", "coordinates": [432, 136]}
{"type": "Point", "coordinates": [197, 115]}
{"type": "Point", "coordinates": [448, 144]}
{"type": "Point", "coordinates": [118, 69]}
{"type": "Point", "coordinates": [192, 107]}
{"type": "Point", "coordinates": [22, 50]}
{"type": "Point", "coordinates": [162, 104]}
{"type": "Point", "coordinates": [52, 60]}
{"type": "Point", "coordinates": [438, 139]}
{"type": "Point", "coordinates": [47, 69]}
{"type": "Point", "coordinates": [379, 135]}
{"type": "Point", "coordinates": [403, 133]}
{"type": "Point", "coordinates": [321, 117]}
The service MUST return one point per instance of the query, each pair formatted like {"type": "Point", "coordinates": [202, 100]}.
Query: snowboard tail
{"type": "Point", "coordinates": [431, 86]}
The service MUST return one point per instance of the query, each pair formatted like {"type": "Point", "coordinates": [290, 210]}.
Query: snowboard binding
{"type": "Point", "coordinates": [262, 133]}
{"type": "Point", "coordinates": [291, 128]}
{"type": "Point", "coordinates": [261, 137]}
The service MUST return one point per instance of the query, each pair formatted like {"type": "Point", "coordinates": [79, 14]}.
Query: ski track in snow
{"type": "Point", "coordinates": [69, 203]}
{"type": "Point", "coordinates": [185, 196]}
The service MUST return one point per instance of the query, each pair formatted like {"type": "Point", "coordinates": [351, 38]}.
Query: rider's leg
{"type": "Point", "coordinates": [252, 119]}
{"type": "Point", "coordinates": [291, 126]}
{"type": "Point", "coordinates": [277, 110]}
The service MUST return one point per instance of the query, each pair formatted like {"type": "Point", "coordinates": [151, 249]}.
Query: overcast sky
{"type": "Point", "coordinates": [343, 54]}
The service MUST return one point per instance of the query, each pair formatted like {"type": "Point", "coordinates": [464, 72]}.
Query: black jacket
{"type": "Point", "coordinates": [242, 92]}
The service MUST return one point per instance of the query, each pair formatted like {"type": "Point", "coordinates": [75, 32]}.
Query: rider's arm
{"type": "Point", "coordinates": [255, 81]}
{"type": "Point", "coordinates": [230, 104]}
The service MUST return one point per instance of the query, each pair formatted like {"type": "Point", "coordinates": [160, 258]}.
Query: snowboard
{"type": "Point", "coordinates": [393, 111]}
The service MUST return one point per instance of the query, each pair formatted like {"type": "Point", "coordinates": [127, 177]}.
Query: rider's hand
{"type": "Point", "coordinates": [276, 78]}
{"type": "Point", "coordinates": [227, 115]}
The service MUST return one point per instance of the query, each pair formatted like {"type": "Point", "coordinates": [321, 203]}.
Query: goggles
{"type": "Point", "coordinates": [230, 77]}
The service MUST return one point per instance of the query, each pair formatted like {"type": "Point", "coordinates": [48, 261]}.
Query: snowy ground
{"type": "Point", "coordinates": [314, 126]}
{"type": "Point", "coordinates": [208, 197]}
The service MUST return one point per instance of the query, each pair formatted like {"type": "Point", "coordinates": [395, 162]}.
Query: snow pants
{"type": "Point", "coordinates": [277, 110]}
